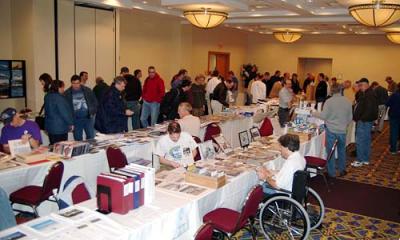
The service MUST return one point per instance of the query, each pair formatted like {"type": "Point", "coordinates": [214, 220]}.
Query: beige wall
{"type": "Point", "coordinates": [164, 42]}
{"type": "Point", "coordinates": [353, 57]}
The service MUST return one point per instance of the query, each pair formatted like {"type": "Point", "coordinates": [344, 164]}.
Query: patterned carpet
{"type": "Point", "coordinates": [340, 225]}
{"type": "Point", "coordinates": [384, 171]}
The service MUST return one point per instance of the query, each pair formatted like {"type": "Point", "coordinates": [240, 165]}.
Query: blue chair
{"type": "Point", "coordinates": [7, 218]}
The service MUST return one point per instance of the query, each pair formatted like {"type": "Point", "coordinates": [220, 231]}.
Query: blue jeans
{"type": "Point", "coordinates": [341, 151]}
{"type": "Point", "coordinates": [363, 140]}
{"type": "Point", "coordinates": [268, 189]}
{"type": "Point", "coordinates": [151, 109]}
{"type": "Point", "coordinates": [135, 107]}
{"type": "Point", "coordinates": [394, 133]}
{"type": "Point", "coordinates": [83, 124]}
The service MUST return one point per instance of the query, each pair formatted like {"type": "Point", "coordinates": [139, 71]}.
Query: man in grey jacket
{"type": "Point", "coordinates": [337, 113]}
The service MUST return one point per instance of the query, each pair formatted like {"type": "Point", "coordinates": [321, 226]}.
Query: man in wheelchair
{"type": "Point", "coordinates": [290, 208]}
{"type": "Point", "coordinates": [294, 161]}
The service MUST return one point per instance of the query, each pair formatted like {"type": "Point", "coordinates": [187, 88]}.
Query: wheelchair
{"type": "Point", "coordinates": [291, 215]}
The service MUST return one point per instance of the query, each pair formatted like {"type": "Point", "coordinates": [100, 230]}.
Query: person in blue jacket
{"type": "Point", "coordinates": [58, 113]}
{"type": "Point", "coordinates": [112, 112]}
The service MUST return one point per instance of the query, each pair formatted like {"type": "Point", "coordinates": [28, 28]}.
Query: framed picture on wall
{"type": "Point", "coordinates": [12, 79]}
{"type": "Point", "coordinates": [244, 139]}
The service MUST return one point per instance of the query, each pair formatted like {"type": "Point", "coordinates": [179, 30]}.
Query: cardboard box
{"type": "Point", "coordinates": [206, 181]}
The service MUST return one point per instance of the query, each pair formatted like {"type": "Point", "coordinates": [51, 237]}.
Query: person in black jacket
{"type": "Point", "coordinates": [100, 88]}
{"type": "Point", "coordinates": [133, 92]}
{"type": "Point", "coordinates": [84, 104]}
{"type": "Point", "coordinates": [382, 97]}
{"type": "Point", "coordinates": [275, 78]}
{"type": "Point", "coordinates": [112, 112]}
{"type": "Point", "coordinates": [321, 92]}
{"type": "Point", "coordinates": [220, 96]}
{"type": "Point", "coordinates": [295, 84]}
{"type": "Point", "coordinates": [172, 99]}
{"type": "Point", "coordinates": [365, 113]}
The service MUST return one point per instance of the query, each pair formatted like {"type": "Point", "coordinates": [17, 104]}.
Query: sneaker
{"type": "Point", "coordinates": [357, 164]}
{"type": "Point", "coordinates": [394, 153]}
{"type": "Point", "coordinates": [365, 163]}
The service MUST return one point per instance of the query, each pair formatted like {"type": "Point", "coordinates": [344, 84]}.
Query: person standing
{"type": "Point", "coordinates": [235, 88]}
{"type": "Point", "coordinates": [321, 91]}
{"type": "Point", "coordinates": [171, 100]}
{"type": "Point", "coordinates": [285, 102]}
{"type": "Point", "coordinates": [337, 114]}
{"type": "Point", "coordinates": [178, 78]}
{"type": "Point", "coordinates": [59, 118]}
{"type": "Point", "coordinates": [220, 96]}
{"type": "Point", "coordinates": [394, 120]}
{"type": "Point", "coordinates": [112, 113]}
{"type": "Point", "coordinates": [382, 97]}
{"type": "Point", "coordinates": [84, 77]}
{"type": "Point", "coordinates": [270, 84]}
{"type": "Point", "coordinates": [295, 84]}
{"type": "Point", "coordinates": [365, 113]}
{"type": "Point", "coordinates": [211, 84]}
{"type": "Point", "coordinates": [133, 92]}
{"type": "Point", "coordinates": [258, 89]}
{"type": "Point", "coordinates": [84, 104]}
{"type": "Point", "coordinates": [100, 88]}
{"type": "Point", "coordinates": [152, 94]}
{"type": "Point", "coordinates": [198, 96]}
{"type": "Point", "coordinates": [392, 86]}
{"type": "Point", "coordinates": [309, 79]}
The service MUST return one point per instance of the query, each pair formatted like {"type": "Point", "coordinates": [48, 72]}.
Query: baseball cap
{"type": "Point", "coordinates": [7, 115]}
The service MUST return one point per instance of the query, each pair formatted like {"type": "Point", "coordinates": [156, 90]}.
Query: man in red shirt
{"type": "Point", "coordinates": [152, 94]}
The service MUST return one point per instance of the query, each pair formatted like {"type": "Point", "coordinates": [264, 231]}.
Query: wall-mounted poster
{"type": "Point", "coordinates": [12, 79]}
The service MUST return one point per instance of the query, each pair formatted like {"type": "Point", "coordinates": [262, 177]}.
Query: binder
{"type": "Point", "coordinates": [138, 186]}
{"type": "Point", "coordinates": [114, 193]}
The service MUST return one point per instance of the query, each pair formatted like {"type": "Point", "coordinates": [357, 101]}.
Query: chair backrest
{"type": "Point", "coordinates": [205, 232]}
{"type": "Point", "coordinates": [332, 150]}
{"type": "Point", "coordinates": [116, 158]}
{"type": "Point", "coordinates": [198, 156]}
{"type": "Point", "coordinates": [7, 218]}
{"type": "Point", "coordinates": [52, 180]}
{"type": "Point", "coordinates": [266, 128]}
{"type": "Point", "coordinates": [212, 129]}
{"type": "Point", "coordinates": [73, 192]}
{"type": "Point", "coordinates": [299, 186]}
{"type": "Point", "coordinates": [250, 206]}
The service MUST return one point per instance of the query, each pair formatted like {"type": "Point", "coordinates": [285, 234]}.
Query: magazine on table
{"type": "Point", "coordinates": [19, 147]}
{"type": "Point", "coordinates": [46, 226]}
{"type": "Point", "coordinates": [16, 233]}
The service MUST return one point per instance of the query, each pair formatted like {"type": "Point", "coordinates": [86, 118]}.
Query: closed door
{"type": "Point", "coordinates": [220, 62]}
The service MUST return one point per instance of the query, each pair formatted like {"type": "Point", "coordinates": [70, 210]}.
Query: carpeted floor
{"type": "Point", "coordinates": [364, 204]}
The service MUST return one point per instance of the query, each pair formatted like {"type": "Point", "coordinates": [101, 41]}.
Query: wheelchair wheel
{"type": "Point", "coordinates": [315, 208]}
{"type": "Point", "coordinates": [284, 218]}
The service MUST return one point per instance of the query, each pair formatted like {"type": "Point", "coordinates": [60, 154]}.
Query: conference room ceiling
{"type": "Point", "coordinates": [267, 16]}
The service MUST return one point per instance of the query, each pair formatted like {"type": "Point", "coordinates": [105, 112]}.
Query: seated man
{"type": "Point", "coordinates": [176, 148]}
{"type": "Point", "coordinates": [294, 161]}
{"type": "Point", "coordinates": [16, 127]}
{"type": "Point", "coordinates": [188, 122]}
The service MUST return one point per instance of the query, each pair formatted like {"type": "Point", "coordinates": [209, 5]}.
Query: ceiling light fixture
{"type": "Point", "coordinates": [376, 14]}
{"type": "Point", "coordinates": [287, 37]}
{"type": "Point", "coordinates": [394, 37]}
{"type": "Point", "coordinates": [205, 18]}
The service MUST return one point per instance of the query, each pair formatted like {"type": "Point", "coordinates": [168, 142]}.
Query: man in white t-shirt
{"type": "Point", "coordinates": [294, 161]}
{"type": "Point", "coordinates": [258, 89]}
{"type": "Point", "coordinates": [177, 148]}
{"type": "Point", "coordinates": [188, 122]}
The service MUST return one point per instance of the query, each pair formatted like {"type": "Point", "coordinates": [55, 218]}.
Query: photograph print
{"type": "Point", "coordinates": [244, 139]}
{"type": "Point", "coordinates": [255, 133]}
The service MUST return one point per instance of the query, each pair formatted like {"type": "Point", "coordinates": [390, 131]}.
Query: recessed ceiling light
{"type": "Point", "coordinates": [239, 27]}
{"type": "Point", "coordinates": [256, 15]}
{"type": "Point", "coordinates": [137, 7]}
{"type": "Point", "coordinates": [299, 6]}
{"type": "Point", "coordinates": [162, 12]}
{"type": "Point", "coordinates": [341, 33]}
{"type": "Point", "coordinates": [259, 7]}
{"type": "Point", "coordinates": [344, 26]}
{"type": "Point", "coordinates": [315, 32]}
{"type": "Point", "coordinates": [144, 2]}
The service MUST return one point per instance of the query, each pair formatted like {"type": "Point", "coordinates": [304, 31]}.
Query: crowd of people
{"type": "Point", "coordinates": [107, 108]}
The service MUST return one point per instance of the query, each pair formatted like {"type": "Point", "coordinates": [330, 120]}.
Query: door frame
{"type": "Point", "coordinates": [219, 53]}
